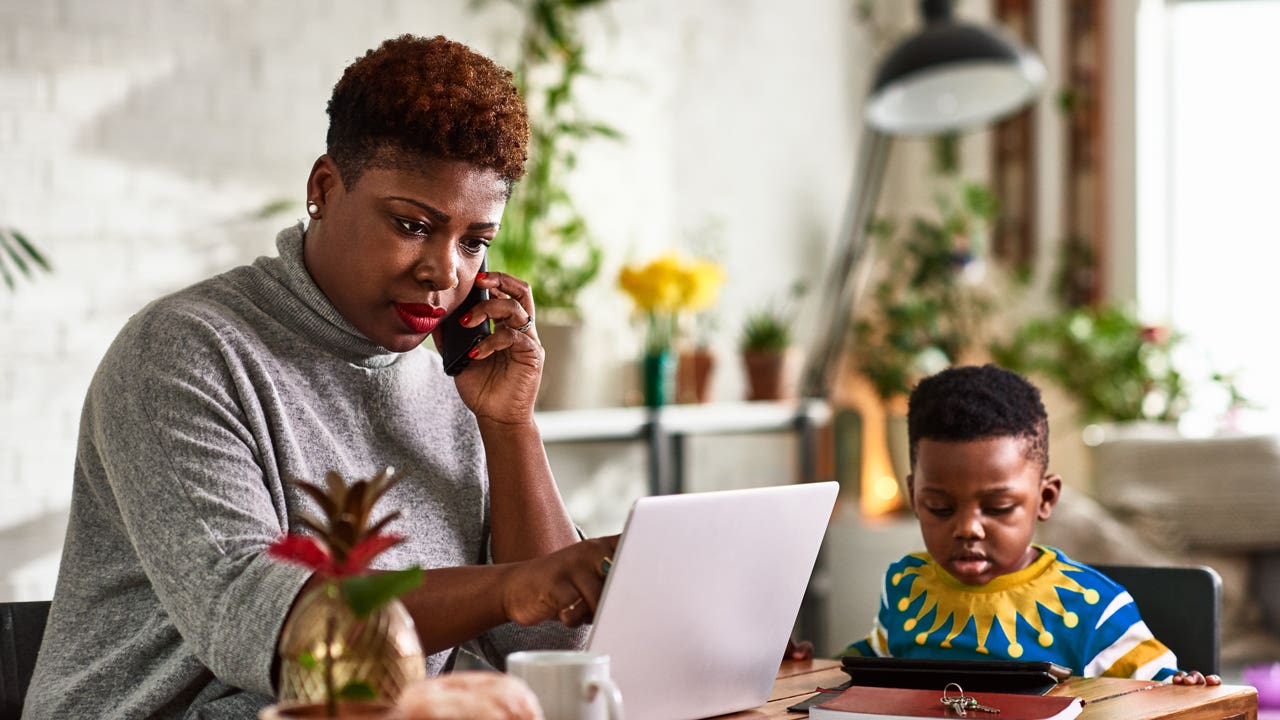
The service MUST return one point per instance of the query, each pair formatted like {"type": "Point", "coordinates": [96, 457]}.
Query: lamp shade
{"type": "Point", "coordinates": [951, 76]}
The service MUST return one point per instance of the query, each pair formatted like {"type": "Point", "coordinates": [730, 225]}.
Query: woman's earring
{"type": "Point", "coordinates": [313, 208]}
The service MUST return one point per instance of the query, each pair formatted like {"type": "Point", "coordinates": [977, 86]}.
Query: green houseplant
{"type": "Point", "coordinates": [765, 330]}
{"type": "Point", "coordinates": [545, 239]}
{"type": "Point", "coordinates": [1117, 368]}
{"type": "Point", "coordinates": [929, 308]}
{"type": "Point", "coordinates": [765, 343]}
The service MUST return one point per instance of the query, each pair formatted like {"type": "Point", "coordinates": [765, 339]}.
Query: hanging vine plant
{"type": "Point", "coordinates": [545, 239]}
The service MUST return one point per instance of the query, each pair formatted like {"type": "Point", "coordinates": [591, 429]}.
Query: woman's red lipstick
{"type": "Point", "coordinates": [420, 318]}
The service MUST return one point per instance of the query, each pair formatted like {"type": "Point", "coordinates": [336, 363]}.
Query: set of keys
{"type": "Point", "coordinates": [961, 704]}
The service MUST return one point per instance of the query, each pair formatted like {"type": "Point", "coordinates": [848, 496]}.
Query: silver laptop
{"type": "Point", "coordinates": [703, 594]}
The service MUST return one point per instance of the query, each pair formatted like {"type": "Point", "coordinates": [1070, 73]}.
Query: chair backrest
{"type": "Point", "coordinates": [1181, 605]}
{"type": "Point", "coordinates": [21, 630]}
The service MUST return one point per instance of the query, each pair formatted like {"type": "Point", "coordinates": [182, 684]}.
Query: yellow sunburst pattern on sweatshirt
{"type": "Point", "coordinates": [1001, 601]}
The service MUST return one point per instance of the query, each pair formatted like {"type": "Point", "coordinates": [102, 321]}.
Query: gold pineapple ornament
{"type": "Point", "coordinates": [349, 640]}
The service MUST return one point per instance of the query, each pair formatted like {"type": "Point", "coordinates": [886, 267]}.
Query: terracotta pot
{"type": "Point", "coordinates": [766, 374]}
{"type": "Point", "coordinates": [380, 651]}
{"type": "Point", "coordinates": [347, 710]}
{"type": "Point", "coordinates": [693, 376]}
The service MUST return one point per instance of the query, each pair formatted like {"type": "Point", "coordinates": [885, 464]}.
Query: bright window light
{"type": "Point", "coordinates": [1209, 255]}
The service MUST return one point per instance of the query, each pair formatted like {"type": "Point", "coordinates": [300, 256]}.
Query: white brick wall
{"type": "Point", "coordinates": [135, 136]}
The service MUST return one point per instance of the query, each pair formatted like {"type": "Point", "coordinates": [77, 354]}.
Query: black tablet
{"type": "Point", "coordinates": [1007, 676]}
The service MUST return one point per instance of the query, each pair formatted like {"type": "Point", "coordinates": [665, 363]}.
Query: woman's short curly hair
{"type": "Point", "coordinates": [415, 97]}
{"type": "Point", "coordinates": [962, 404]}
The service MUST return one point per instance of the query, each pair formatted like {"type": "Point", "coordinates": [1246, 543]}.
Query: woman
{"type": "Point", "coordinates": [212, 398]}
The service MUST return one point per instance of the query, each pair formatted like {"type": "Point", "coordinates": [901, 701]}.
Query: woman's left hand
{"type": "Point", "coordinates": [501, 381]}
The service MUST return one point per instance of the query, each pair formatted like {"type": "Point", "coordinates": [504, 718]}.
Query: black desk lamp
{"type": "Point", "coordinates": [949, 76]}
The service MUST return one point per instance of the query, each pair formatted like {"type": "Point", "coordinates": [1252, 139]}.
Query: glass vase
{"type": "Point", "coordinates": [659, 378]}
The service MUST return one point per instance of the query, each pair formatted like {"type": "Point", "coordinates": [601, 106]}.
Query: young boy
{"type": "Point", "coordinates": [979, 439]}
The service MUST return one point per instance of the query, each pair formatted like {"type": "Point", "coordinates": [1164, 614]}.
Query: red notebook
{"type": "Point", "coordinates": [876, 703]}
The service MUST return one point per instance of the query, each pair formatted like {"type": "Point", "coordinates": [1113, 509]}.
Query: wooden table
{"type": "Point", "coordinates": [1105, 698]}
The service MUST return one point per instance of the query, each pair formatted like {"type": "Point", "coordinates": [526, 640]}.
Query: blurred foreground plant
{"type": "Point", "coordinates": [19, 257]}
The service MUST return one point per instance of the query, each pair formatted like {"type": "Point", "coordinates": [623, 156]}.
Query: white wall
{"type": "Point", "coordinates": [137, 138]}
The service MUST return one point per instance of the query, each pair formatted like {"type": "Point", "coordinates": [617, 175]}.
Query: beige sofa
{"type": "Point", "coordinates": [1158, 498]}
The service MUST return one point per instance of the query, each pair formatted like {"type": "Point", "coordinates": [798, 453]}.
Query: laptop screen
{"type": "Point", "coordinates": [703, 595]}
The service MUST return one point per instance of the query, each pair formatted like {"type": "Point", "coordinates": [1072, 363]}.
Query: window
{"type": "Point", "coordinates": [1208, 149]}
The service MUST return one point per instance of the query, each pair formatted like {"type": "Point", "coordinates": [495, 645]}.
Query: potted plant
{"type": "Point", "coordinates": [765, 344]}
{"type": "Point", "coordinates": [1117, 368]}
{"type": "Point", "coordinates": [931, 306]}
{"type": "Point", "coordinates": [696, 364]}
{"type": "Point", "coordinates": [663, 290]}
{"type": "Point", "coordinates": [545, 239]}
{"type": "Point", "coordinates": [349, 646]}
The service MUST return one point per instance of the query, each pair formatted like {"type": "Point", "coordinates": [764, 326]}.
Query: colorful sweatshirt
{"type": "Point", "coordinates": [1055, 609]}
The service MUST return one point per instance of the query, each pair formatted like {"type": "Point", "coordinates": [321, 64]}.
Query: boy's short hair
{"type": "Point", "coordinates": [962, 404]}
{"type": "Point", "coordinates": [414, 98]}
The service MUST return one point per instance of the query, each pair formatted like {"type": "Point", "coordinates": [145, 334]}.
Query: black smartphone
{"type": "Point", "coordinates": [455, 340]}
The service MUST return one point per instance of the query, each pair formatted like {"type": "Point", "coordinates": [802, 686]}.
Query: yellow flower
{"type": "Point", "coordinates": [667, 286]}
{"type": "Point", "coordinates": [671, 283]}
{"type": "Point", "coordinates": [702, 281]}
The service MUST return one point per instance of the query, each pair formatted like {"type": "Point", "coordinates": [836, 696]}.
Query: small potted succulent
{"type": "Point", "coordinates": [349, 647]}
{"type": "Point", "coordinates": [765, 343]}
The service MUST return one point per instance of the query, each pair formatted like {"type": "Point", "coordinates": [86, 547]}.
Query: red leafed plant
{"type": "Point", "coordinates": [341, 548]}
{"type": "Point", "coordinates": [345, 543]}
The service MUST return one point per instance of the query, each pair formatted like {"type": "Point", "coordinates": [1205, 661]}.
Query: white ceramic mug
{"type": "Point", "coordinates": [570, 685]}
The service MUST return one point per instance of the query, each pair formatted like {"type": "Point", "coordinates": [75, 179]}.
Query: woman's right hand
{"type": "Point", "coordinates": [564, 585]}
{"type": "Point", "coordinates": [501, 382]}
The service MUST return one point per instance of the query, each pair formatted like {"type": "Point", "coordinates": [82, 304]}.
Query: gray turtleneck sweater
{"type": "Point", "coordinates": [206, 403]}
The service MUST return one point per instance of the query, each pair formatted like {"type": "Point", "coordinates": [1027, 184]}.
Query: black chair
{"type": "Point", "coordinates": [1181, 605]}
{"type": "Point", "coordinates": [21, 630]}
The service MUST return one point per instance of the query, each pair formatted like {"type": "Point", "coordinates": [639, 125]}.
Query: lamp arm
{"type": "Point", "coordinates": [844, 279]}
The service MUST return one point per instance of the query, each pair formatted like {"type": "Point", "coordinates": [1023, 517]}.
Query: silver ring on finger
{"type": "Point", "coordinates": [525, 327]}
